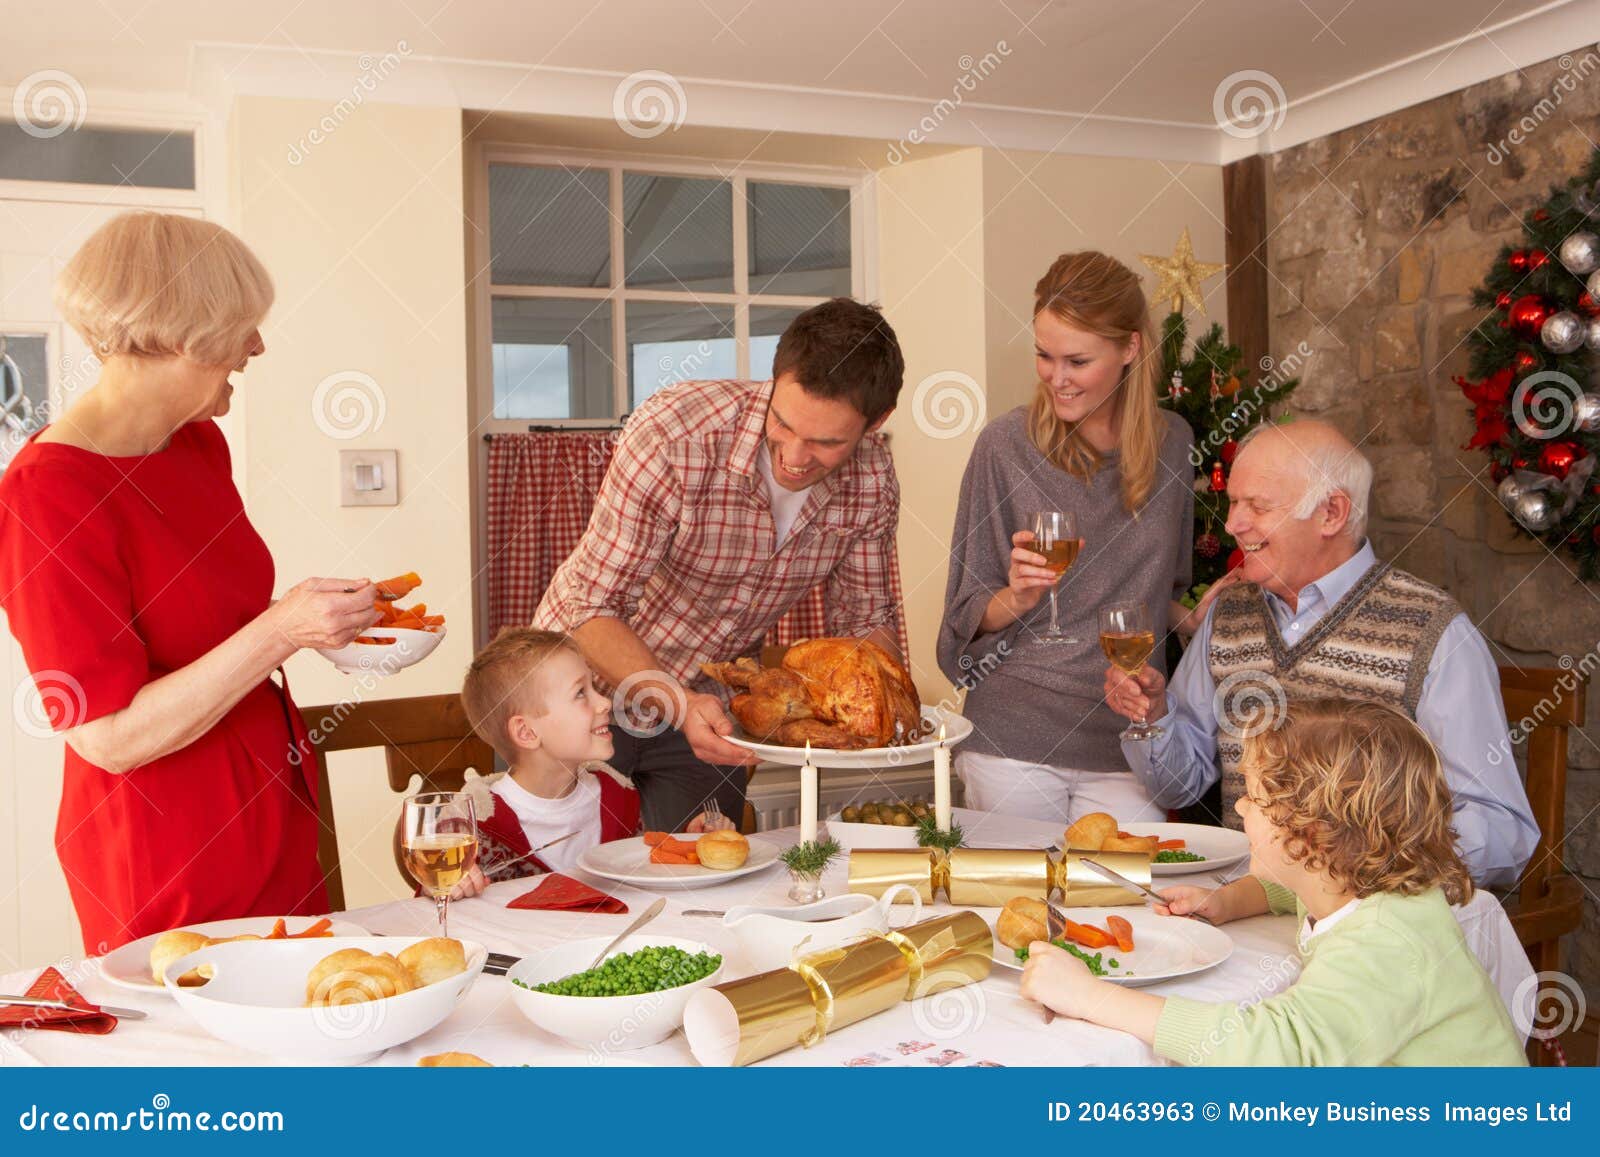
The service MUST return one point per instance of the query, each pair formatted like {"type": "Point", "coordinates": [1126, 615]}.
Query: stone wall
{"type": "Point", "coordinates": [1377, 236]}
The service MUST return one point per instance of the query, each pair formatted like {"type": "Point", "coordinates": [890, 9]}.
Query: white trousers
{"type": "Point", "coordinates": [1061, 795]}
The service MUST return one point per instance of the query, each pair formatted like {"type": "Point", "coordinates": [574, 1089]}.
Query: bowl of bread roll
{"type": "Point", "coordinates": [342, 1000]}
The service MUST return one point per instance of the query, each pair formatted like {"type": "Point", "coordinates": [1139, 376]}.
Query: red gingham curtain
{"type": "Point", "coordinates": [541, 492]}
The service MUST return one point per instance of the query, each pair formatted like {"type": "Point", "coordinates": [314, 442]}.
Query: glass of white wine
{"type": "Point", "coordinates": [1128, 636]}
{"type": "Point", "coordinates": [441, 845]}
{"type": "Point", "coordinates": [1055, 535]}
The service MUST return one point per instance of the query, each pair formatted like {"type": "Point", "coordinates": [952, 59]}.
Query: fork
{"type": "Point", "coordinates": [1055, 925]}
{"type": "Point", "coordinates": [713, 813]}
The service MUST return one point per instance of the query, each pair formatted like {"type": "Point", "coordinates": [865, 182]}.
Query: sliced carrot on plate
{"type": "Point", "coordinates": [1122, 931]}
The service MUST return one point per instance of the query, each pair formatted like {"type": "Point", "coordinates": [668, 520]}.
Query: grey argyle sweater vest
{"type": "Point", "coordinates": [1374, 644]}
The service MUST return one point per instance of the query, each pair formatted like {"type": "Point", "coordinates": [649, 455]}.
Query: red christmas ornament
{"type": "Point", "coordinates": [1237, 556]}
{"type": "Point", "coordinates": [1528, 314]}
{"type": "Point", "coordinates": [1208, 546]}
{"type": "Point", "coordinates": [1557, 458]}
{"type": "Point", "coordinates": [1518, 261]}
{"type": "Point", "coordinates": [1588, 304]}
{"type": "Point", "coordinates": [1229, 450]}
{"type": "Point", "coordinates": [1526, 361]}
{"type": "Point", "coordinates": [1541, 215]}
{"type": "Point", "coordinates": [1219, 480]}
{"type": "Point", "coordinates": [1519, 463]}
{"type": "Point", "coordinates": [1537, 259]}
{"type": "Point", "coordinates": [1502, 300]}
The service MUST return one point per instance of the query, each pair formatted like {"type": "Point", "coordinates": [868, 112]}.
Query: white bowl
{"type": "Point", "coordinates": [409, 646]}
{"type": "Point", "coordinates": [852, 836]}
{"type": "Point", "coordinates": [256, 1000]}
{"type": "Point", "coordinates": [604, 1024]}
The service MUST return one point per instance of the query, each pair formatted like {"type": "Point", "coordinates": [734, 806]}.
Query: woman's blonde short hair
{"type": "Point", "coordinates": [158, 284]}
{"type": "Point", "coordinates": [1359, 792]}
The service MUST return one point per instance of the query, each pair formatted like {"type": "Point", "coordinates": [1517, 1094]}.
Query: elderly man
{"type": "Point", "coordinates": [1312, 612]}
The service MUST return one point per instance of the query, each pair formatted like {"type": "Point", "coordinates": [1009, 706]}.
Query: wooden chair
{"type": "Point", "coordinates": [1547, 702]}
{"type": "Point", "coordinates": [427, 736]}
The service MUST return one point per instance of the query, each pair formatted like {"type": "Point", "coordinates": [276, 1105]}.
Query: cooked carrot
{"type": "Point", "coordinates": [1087, 935]}
{"type": "Point", "coordinates": [1122, 932]}
{"type": "Point", "coordinates": [279, 930]}
{"type": "Point", "coordinates": [681, 847]}
{"type": "Point", "coordinates": [312, 931]}
{"type": "Point", "coordinates": [1171, 845]}
{"type": "Point", "coordinates": [400, 586]}
{"type": "Point", "coordinates": [651, 839]}
{"type": "Point", "coordinates": [660, 855]}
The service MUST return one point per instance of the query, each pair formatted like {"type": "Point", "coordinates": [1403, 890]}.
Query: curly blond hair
{"type": "Point", "coordinates": [1359, 792]}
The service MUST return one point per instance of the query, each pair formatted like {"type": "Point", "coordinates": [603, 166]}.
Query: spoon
{"type": "Point", "coordinates": [645, 917]}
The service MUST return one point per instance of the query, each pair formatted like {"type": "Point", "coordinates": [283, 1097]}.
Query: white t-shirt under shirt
{"type": "Point", "coordinates": [544, 820]}
{"type": "Point", "coordinates": [786, 504]}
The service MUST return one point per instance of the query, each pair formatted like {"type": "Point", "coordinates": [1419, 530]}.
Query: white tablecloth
{"type": "Point", "coordinates": [989, 1022]}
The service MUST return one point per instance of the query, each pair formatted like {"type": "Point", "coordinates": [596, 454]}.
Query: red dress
{"type": "Point", "coordinates": [114, 572]}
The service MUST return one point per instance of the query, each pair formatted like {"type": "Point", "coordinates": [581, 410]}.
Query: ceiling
{"type": "Point", "coordinates": [1162, 62]}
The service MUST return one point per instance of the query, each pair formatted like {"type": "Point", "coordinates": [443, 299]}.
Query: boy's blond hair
{"type": "Point", "coordinates": [503, 681]}
{"type": "Point", "coordinates": [158, 284]}
{"type": "Point", "coordinates": [1359, 792]}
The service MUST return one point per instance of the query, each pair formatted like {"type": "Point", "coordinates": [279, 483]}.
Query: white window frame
{"type": "Point", "coordinates": [862, 270]}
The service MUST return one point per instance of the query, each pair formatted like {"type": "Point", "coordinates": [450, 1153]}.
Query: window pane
{"type": "Point", "coordinates": [767, 323]}
{"type": "Point", "coordinates": [24, 389]}
{"type": "Point", "coordinates": [549, 226]}
{"type": "Point", "coordinates": [799, 239]}
{"type": "Point", "coordinates": [144, 158]}
{"type": "Point", "coordinates": [679, 232]}
{"type": "Point", "coordinates": [552, 358]}
{"type": "Point", "coordinates": [677, 343]}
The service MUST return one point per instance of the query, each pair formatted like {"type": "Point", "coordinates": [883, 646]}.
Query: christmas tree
{"type": "Point", "coordinates": [1209, 388]}
{"type": "Point", "coordinates": [1531, 360]}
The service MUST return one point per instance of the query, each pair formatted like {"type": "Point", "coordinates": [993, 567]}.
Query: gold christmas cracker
{"type": "Point", "coordinates": [988, 877]}
{"type": "Point", "coordinates": [747, 1020]}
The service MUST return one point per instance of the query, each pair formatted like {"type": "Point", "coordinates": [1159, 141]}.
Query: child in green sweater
{"type": "Point", "coordinates": [1348, 816]}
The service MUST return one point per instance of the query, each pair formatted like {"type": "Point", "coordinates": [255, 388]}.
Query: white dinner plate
{"type": "Point", "coordinates": [129, 966]}
{"type": "Point", "coordinates": [957, 728]}
{"type": "Point", "coordinates": [628, 862]}
{"type": "Point", "coordinates": [1221, 847]}
{"type": "Point", "coordinates": [1164, 947]}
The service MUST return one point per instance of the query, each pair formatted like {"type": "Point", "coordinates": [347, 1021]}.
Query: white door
{"type": "Point", "coordinates": [36, 238]}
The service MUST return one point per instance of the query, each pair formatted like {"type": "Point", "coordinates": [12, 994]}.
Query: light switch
{"type": "Point", "coordinates": [368, 478]}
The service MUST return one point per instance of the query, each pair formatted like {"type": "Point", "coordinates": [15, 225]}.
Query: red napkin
{"type": "Point", "coordinates": [562, 893]}
{"type": "Point", "coordinates": [51, 985]}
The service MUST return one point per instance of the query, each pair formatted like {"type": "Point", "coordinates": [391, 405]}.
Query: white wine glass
{"type": "Point", "coordinates": [1055, 535]}
{"type": "Point", "coordinates": [440, 841]}
{"type": "Point", "coordinates": [1128, 636]}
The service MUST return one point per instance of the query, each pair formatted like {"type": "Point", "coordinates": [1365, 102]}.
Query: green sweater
{"type": "Point", "coordinates": [1392, 983]}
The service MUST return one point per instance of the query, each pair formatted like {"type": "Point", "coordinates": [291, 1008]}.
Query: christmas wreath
{"type": "Point", "coordinates": [1532, 358]}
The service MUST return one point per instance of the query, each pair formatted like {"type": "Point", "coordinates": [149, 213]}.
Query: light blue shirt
{"type": "Point", "coordinates": [1460, 710]}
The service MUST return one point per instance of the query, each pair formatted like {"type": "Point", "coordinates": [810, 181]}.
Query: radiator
{"type": "Point", "coordinates": [775, 790]}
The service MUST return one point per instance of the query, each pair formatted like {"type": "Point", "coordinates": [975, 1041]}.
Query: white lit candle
{"type": "Point", "coordinates": [808, 800]}
{"type": "Point", "coordinates": [941, 783]}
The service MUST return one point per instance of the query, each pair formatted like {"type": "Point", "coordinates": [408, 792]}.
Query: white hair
{"type": "Point", "coordinates": [1328, 469]}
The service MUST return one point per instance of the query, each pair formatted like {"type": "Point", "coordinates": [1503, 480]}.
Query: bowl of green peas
{"type": "Point", "coordinates": [634, 998]}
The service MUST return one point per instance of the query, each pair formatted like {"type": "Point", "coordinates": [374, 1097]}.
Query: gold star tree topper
{"type": "Point", "coordinates": [1181, 274]}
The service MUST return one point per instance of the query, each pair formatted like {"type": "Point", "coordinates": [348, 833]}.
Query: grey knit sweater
{"type": "Point", "coordinates": [1037, 702]}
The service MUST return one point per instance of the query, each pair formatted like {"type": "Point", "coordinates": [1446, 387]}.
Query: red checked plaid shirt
{"type": "Point", "coordinates": [682, 545]}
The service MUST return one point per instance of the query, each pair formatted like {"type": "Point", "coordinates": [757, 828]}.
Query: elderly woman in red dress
{"type": "Point", "coordinates": [142, 598]}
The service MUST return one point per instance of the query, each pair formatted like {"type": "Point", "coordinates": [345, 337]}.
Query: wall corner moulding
{"type": "Point", "coordinates": [399, 73]}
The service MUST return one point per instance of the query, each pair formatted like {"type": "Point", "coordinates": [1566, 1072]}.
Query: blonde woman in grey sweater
{"type": "Point", "coordinates": [1092, 443]}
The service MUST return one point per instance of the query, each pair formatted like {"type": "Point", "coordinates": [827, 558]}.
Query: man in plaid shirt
{"type": "Point", "coordinates": [725, 503]}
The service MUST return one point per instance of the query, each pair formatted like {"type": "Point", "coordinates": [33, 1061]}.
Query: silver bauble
{"type": "Point", "coordinates": [1509, 490]}
{"type": "Point", "coordinates": [1587, 199]}
{"type": "Point", "coordinates": [1586, 413]}
{"type": "Point", "coordinates": [1562, 332]}
{"type": "Point", "coordinates": [1580, 253]}
{"type": "Point", "coordinates": [1591, 335]}
{"type": "Point", "coordinates": [1536, 510]}
{"type": "Point", "coordinates": [1593, 285]}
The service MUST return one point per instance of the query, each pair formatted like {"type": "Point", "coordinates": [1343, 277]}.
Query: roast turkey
{"type": "Point", "coordinates": [844, 694]}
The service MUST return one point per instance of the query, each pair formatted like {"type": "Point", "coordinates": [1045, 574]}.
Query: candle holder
{"type": "Point", "coordinates": [806, 862]}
